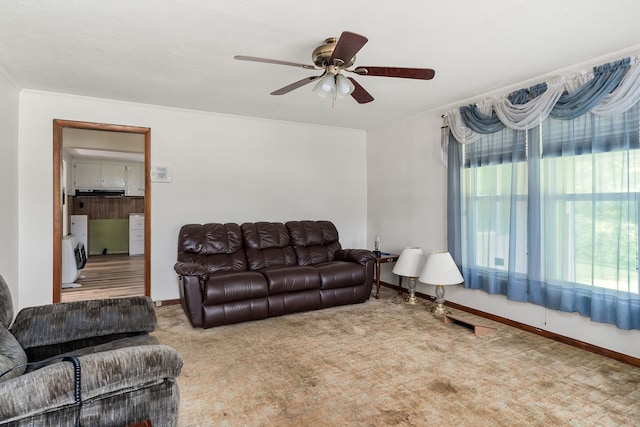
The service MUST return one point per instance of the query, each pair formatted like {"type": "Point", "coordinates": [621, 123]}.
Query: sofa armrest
{"type": "Point", "coordinates": [191, 269]}
{"type": "Point", "coordinates": [361, 256]}
{"type": "Point", "coordinates": [192, 278]}
{"type": "Point", "coordinates": [82, 320]}
{"type": "Point", "coordinates": [104, 375]}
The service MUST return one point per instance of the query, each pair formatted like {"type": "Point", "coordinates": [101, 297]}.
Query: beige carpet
{"type": "Point", "coordinates": [383, 363]}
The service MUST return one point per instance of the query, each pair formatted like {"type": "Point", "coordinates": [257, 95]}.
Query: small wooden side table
{"type": "Point", "coordinates": [380, 259]}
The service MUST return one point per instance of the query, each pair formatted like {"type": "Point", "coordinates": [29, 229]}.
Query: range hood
{"type": "Point", "coordinates": [100, 193]}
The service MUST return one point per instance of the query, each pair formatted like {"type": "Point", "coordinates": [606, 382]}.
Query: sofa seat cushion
{"type": "Point", "coordinates": [339, 274]}
{"type": "Point", "coordinates": [235, 286]}
{"type": "Point", "coordinates": [291, 279]}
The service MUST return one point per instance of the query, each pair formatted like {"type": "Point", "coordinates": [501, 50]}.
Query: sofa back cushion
{"type": "Point", "coordinates": [314, 242]}
{"type": "Point", "coordinates": [267, 244]}
{"type": "Point", "coordinates": [6, 304]}
{"type": "Point", "coordinates": [219, 247]}
{"type": "Point", "coordinates": [12, 356]}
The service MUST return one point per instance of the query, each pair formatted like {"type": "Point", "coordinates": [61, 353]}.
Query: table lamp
{"type": "Point", "coordinates": [409, 265]}
{"type": "Point", "coordinates": [440, 270]}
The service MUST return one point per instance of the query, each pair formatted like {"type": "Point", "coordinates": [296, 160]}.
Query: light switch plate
{"type": "Point", "coordinates": [161, 174]}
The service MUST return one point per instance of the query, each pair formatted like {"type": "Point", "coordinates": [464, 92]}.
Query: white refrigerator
{"type": "Point", "coordinates": [136, 234]}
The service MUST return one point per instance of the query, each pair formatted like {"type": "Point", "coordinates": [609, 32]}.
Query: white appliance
{"type": "Point", "coordinates": [74, 258]}
{"type": "Point", "coordinates": [79, 228]}
{"type": "Point", "coordinates": [136, 234]}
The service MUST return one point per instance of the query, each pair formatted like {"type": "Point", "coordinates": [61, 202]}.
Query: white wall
{"type": "Point", "coordinates": [406, 188]}
{"type": "Point", "coordinates": [407, 207]}
{"type": "Point", "coordinates": [225, 169]}
{"type": "Point", "coordinates": [9, 214]}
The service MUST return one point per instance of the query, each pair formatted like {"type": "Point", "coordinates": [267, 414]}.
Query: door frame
{"type": "Point", "coordinates": [58, 126]}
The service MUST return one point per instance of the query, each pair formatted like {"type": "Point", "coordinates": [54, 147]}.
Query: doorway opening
{"type": "Point", "coordinates": [101, 210]}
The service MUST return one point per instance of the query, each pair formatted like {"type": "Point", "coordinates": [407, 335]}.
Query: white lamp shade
{"type": "Point", "coordinates": [440, 269]}
{"type": "Point", "coordinates": [409, 263]}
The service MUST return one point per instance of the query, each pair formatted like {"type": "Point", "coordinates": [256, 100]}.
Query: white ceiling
{"type": "Point", "coordinates": [179, 53]}
{"type": "Point", "coordinates": [103, 145]}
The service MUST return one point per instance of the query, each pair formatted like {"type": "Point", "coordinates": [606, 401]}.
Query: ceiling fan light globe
{"type": "Point", "coordinates": [319, 92]}
{"type": "Point", "coordinates": [344, 86]}
{"type": "Point", "coordinates": [326, 86]}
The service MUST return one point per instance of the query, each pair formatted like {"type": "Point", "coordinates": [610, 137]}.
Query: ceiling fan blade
{"type": "Point", "coordinates": [359, 94]}
{"type": "Point", "coordinates": [405, 73]}
{"type": "Point", "coordinates": [295, 85]}
{"type": "Point", "coordinates": [273, 61]}
{"type": "Point", "coordinates": [347, 46]}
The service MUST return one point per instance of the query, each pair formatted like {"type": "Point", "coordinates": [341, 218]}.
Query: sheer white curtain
{"type": "Point", "coordinates": [625, 96]}
{"type": "Point", "coordinates": [531, 114]}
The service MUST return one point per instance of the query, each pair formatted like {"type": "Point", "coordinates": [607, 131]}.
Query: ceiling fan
{"type": "Point", "coordinates": [334, 56]}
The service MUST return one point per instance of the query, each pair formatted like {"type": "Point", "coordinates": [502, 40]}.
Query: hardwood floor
{"type": "Point", "coordinates": [108, 276]}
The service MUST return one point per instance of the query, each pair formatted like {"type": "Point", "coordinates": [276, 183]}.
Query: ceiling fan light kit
{"type": "Point", "coordinates": [335, 85]}
{"type": "Point", "coordinates": [326, 86]}
{"type": "Point", "coordinates": [334, 56]}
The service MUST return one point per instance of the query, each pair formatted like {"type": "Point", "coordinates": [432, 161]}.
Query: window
{"type": "Point", "coordinates": [490, 220]}
{"type": "Point", "coordinates": [591, 219]}
{"type": "Point", "coordinates": [551, 215]}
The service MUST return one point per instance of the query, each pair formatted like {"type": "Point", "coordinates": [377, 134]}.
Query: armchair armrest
{"type": "Point", "coordinates": [81, 320]}
{"type": "Point", "coordinates": [45, 393]}
{"type": "Point", "coordinates": [360, 256]}
{"type": "Point", "coordinates": [191, 269]}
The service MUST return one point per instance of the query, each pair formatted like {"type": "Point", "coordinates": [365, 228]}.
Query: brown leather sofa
{"type": "Point", "coordinates": [230, 273]}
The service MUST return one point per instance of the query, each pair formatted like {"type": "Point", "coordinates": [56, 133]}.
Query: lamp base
{"type": "Point", "coordinates": [439, 310]}
{"type": "Point", "coordinates": [411, 299]}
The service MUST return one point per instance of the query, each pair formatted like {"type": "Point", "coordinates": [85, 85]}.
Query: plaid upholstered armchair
{"type": "Point", "coordinates": [89, 363]}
